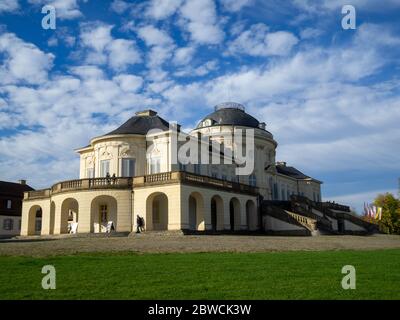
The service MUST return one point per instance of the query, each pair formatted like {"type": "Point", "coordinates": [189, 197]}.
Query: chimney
{"type": "Point", "coordinates": [23, 182]}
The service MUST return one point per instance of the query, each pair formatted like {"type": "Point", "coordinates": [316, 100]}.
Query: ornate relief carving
{"type": "Point", "coordinates": [105, 153]}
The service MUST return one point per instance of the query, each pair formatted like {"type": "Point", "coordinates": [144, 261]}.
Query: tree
{"type": "Point", "coordinates": [390, 222]}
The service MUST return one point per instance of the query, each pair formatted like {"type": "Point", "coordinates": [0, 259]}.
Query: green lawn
{"type": "Point", "coordinates": [280, 275]}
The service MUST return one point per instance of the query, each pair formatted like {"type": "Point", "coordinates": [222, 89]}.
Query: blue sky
{"type": "Point", "coordinates": [331, 97]}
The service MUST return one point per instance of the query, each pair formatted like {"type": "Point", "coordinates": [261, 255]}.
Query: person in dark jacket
{"type": "Point", "coordinates": [138, 224]}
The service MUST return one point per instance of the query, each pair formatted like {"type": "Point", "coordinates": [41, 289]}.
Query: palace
{"type": "Point", "coordinates": [133, 171]}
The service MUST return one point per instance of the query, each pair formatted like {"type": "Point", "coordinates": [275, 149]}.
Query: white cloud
{"type": "Point", "coordinates": [309, 33]}
{"type": "Point", "coordinates": [23, 61]}
{"type": "Point", "coordinates": [128, 82]}
{"type": "Point", "coordinates": [60, 115]}
{"type": "Point", "coordinates": [120, 6]}
{"type": "Point", "coordinates": [65, 9]}
{"type": "Point", "coordinates": [9, 6]}
{"type": "Point", "coordinates": [154, 37]}
{"type": "Point", "coordinates": [103, 48]}
{"type": "Point", "coordinates": [257, 41]}
{"type": "Point", "coordinates": [200, 19]}
{"type": "Point", "coordinates": [122, 53]}
{"type": "Point", "coordinates": [161, 48]}
{"type": "Point", "coordinates": [184, 55]}
{"type": "Point", "coordinates": [161, 9]}
{"type": "Point", "coordinates": [235, 5]}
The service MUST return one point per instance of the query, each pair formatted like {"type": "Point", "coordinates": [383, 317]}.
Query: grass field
{"type": "Point", "coordinates": [280, 275]}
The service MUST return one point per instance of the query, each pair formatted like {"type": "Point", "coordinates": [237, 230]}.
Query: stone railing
{"type": "Point", "coordinates": [37, 194]}
{"type": "Point", "coordinates": [81, 184]}
{"type": "Point", "coordinates": [152, 179]}
{"type": "Point", "coordinates": [334, 206]}
{"type": "Point", "coordinates": [158, 177]}
{"type": "Point", "coordinates": [191, 178]}
{"type": "Point", "coordinates": [305, 221]}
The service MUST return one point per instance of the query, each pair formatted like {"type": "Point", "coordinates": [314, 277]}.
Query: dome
{"type": "Point", "coordinates": [141, 123]}
{"type": "Point", "coordinates": [230, 113]}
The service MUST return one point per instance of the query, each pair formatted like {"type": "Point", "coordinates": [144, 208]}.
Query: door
{"type": "Point", "coordinates": [103, 218]}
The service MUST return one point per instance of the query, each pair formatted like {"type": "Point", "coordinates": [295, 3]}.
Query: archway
{"type": "Point", "coordinates": [103, 211]}
{"type": "Point", "coordinates": [69, 214]}
{"type": "Point", "coordinates": [35, 220]}
{"type": "Point", "coordinates": [196, 212]}
{"type": "Point", "coordinates": [217, 213]}
{"type": "Point", "coordinates": [251, 215]}
{"type": "Point", "coordinates": [52, 217]}
{"type": "Point", "coordinates": [157, 212]}
{"type": "Point", "coordinates": [234, 214]}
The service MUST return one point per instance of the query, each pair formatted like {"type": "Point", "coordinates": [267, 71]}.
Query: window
{"type": "Point", "coordinates": [8, 224]}
{"type": "Point", "coordinates": [275, 192]}
{"type": "Point", "coordinates": [90, 173]}
{"type": "Point", "coordinates": [196, 168]}
{"type": "Point", "coordinates": [253, 180]}
{"type": "Point", "coordinates": [182, 167]}
{"type": "Point", "coordinates": [283, 193]}
{"type": "Point", "coordinates": [104, 168]}
{"type": "Point", "coordinates": [128, 167]}
{"type": "Point", "coordinates": [155, 165]}
{"type": "Point", "coordinates": [207, 122]}
{"type": "Point", "coordinates": [103, 213]}
{"type": "Point", "coordinates": [9, 204]}
{"type": "Point", "coordinates": [38, 225]}
{"type": "Point", "coordinates": [156, 212]}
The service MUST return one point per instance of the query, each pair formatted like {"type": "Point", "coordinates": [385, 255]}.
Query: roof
{"type": "Point", "coordinates": [291, 172]}
{"type": "Point", "coordinates": [141, 123]}
{"type": "Point", "coordinates": [230, 113]}
{"type": "Point", "coordinates": [13, 188]}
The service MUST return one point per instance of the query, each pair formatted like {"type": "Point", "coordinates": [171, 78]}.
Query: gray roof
{"type": "Point", "coordinates": [231, 114]}
{"type": "Point", "coordinates": [291, 172]}
{"type": "Point", "coordinates": [141, 123]}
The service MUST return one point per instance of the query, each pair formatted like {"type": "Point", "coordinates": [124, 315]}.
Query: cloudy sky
{"type": "Point", "coordinates": [330, 96]}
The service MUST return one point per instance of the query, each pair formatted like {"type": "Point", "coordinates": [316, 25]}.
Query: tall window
{"type": "Point", "coordinates": [196, 168]}
{"type": "Point", "coordinates": [275, 192]}
{"type": "Point", "coordinates": [104, 167]}
{"type": "Point", "coordinates": [253, 180]}
{"type": "Point", "coordinates": [128, 167]}
{"type": "Point", "coordinates": [9, 204]}
{"type": "Point", "coordinates": [38, 225]}
{"type": "Point", "coordinates": [90, 173]}
{"type": "Point", "coordinates": [155, 165]}
{"type": "Point", "coordinates": [8, 224]}
{"type": "Point", "coordinates": [103, 210]}
{"type": "Point", "coordinates": [182, 167]}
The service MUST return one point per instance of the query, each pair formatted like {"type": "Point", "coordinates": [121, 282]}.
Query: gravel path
{"type": "Point", "coordinates": [204, 243]}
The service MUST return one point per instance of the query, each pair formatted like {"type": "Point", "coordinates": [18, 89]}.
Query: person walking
{"type": "Point", "coordinates": [138, 224]}
{"type": "Point", "coordinates": [142, 225]}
